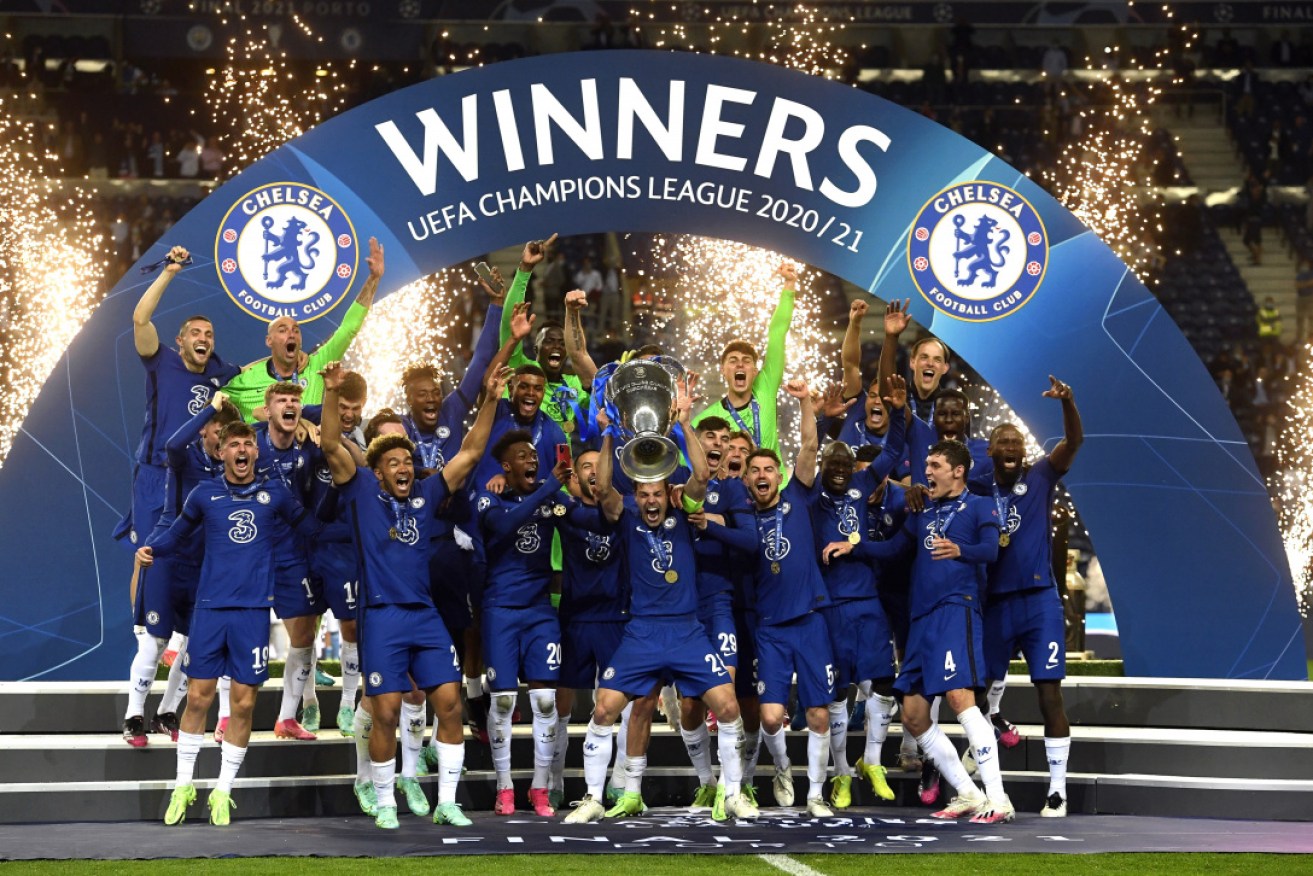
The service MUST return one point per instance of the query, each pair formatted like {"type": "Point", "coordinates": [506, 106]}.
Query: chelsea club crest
{"type": "Point", "coordinates": [978, 251]}
{"type": "Point", "coordinates": [286, 249]}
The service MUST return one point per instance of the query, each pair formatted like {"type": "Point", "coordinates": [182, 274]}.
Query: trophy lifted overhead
{"type": "Point", "coordinates": [643, 392]}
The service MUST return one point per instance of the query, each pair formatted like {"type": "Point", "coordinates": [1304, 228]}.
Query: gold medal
{"type": "Point", "coordinates": [854, 537]}
{"type": "Point", "coordinates": [558, 510]}
{"type": "Point", "coordinates": [392, 533]}
{"type": "Point", "coordinates": [1004, 540]}
{"type": "Point", "coordinates": [774, 568]}
{"type": "Point", "coordinates": [567, 426]}
{"type": "Point", "coordinates": [671, 576]}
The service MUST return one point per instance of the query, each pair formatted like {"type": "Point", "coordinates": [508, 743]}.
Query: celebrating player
{"type": "Point", "coordinates": [954, 537]}
{"type": "Point", "coordinates": [1023, 612]}
{"type": "Point", "coordinates": [288, 363]}
{"type": "Point", "coordinates": [242, 516]}
{"type": "Point", "coordinates": [662, 638]}
{"type": "Point", "coordinates": [749, 401]}
{"type": "Point", "coordinates": [403, 642]}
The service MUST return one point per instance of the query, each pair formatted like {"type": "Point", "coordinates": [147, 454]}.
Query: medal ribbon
{"type": "Point", "coordinates": [942, 527]}
{"type": "Point", "coordinates": [779, 528]}
{"type": "Point", "coordinates": [657, 547]}
{"type": "Point", "coordinates": [755, 431]}
{"type": "Point", "coordinates": [399, 511]}
{"type": "Point", "coordinates": [155, 266]}
{"type": "Point", "coordinates": [567, 398]}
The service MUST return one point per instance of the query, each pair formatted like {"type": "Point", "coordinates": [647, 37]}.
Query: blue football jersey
{"type": "Point", "coordinates": [173, 395]}
{"type": "Point", "coordinates": [242, 524]}
{"type": "Point", "coordinates": [651, 555]}
{"type": "Point", "coordinates": [295, 467]}
{"type": "Point", "coordinates": [965, 520]}
{"type": "Point", "coordinates": [720, 564]}
{"type": "Point", "coordinates": [189, 464]}
{"type": "Point", "coordinates": [1026, 561]}
{"type": "Point", "coordinates": [392, 537]}
{"type": "Point", "coordinates": [787, 565]}
{"type": "Point", "coordinates": [591, 589]}
{"type": "Point", "coordinates": [517, 538]}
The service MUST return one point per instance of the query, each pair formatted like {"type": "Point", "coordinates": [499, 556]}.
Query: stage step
{"type": "Point", "coordinates": [1200, 704]}
{"type": "Point", "coordinates": [1096, 750]}
{"type": "Point", "coordinates": [1140, 746]}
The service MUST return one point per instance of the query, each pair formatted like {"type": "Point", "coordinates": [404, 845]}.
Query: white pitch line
{"type": "Point", "coordinates": [790, 865]}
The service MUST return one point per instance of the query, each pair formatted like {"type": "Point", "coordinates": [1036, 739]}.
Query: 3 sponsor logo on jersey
{"type": "Point", "coordinates": [286, 249]}
{"type": "Point", "coordinates": [978, 251]}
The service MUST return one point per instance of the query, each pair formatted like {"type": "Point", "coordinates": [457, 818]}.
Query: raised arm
{"type": "Point", "coordinates": [467, 392]}
{"type": "Point", "coordinates": [534, 252]}
{"type": "Point", "coordinates": [176, 447]}
{"type": "Point", "coordinates": [340, 463]}
{"type": "Point", "coordinates": [575, 345]}
{"type": "Point", "coordinates": [375, 262]}
{"type": "Point", "coordinates": [458, 468]}
{"type": "Point", "coordinates": [144, 336]}
{"type": "Point", "coordinates": [695, 489]}
{"type": "Point", "coordinates": [521, 323]}
{"type": "Point", "coordinates": [336, 346]}
{"type": "Point", "coordinates": [852, 350]}
{"type": "Point", "coordinates": [896, 321]}
{"type": "Point", "coordinates": [772, 367]}
{"type": "Point", "coordinates": [895, 440]}
{"type": "Point", "coordinates": [1073, 433]}
{"type": "Point", "coordinates": [804, 467]}
{"type": "Point", "coordinates": [608, 497]}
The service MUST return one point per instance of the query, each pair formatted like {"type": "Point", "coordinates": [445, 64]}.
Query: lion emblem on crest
{"type": "Point", "coordinates": [980, 259]}
{"type": "Point", "coordinates": [286, 255]}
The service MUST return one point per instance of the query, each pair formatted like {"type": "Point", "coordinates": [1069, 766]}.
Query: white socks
{"type": "Point", "coordinates": [634, 769]}
{"type": "Point", "coordinates": [295, 672]}
{"type": "Point", "coordinates": [309, 693]}
{"type": "Point", "coordinates": [879, 712]}
{"type": "Point", "coordinates": [559, 751]}
{"type": "Point", "coordinates": [775, 745]}
{"type": "Point", "coordinates": [818, 762]}
{"type": "Point", "coordinates": [597, 756]}
{"type": "Point", "coordinates": [839, 738]}
{"type": "Point", "coordinates": [176, 687]}
{"type": "Point", "coordinates": [232, 762]}
{"type": "Point", "coordinates": [751, 751]}
{"type": "Point", "coordinates": [363, 726]}
{"type": "Point", "coordinates": [189, 745]}
{"type": "Point", "coordinates": [414, 717]}
{"type": "Point", "coordinates": [142, 674]}
{"type": "Point", "coordinates": [451, 760]}
{"type": "Point", "coordinates": [543, 702]}
{"type": "Point", "coordinates": [980, 735]}
{"type": "Point", "coordinates": [698, 744]}
{"type": "Point", "coordinates": [473, 687]}
{"type": "Point", "coordinates": [995, 695]}
{"type": "Point", "coordinates": [499, 736]}
{"type": "Point", "coordinates": [621, 748]}
{"type": "Point", "coordinates": [729, 744]}
{"type": "Point", "coordinates": [225, 689]}
{"type": "Point", "coordinates": [941, 752]}
{"type": "Point", "coordinates": [1057, 750]}
{"type": "Point", "coordinates": [385, 777]}
{"type": "Point", "coordinates": [350, 673]}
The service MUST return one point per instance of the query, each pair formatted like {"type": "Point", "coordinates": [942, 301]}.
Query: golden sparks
{"type": "Point", "coordinates": [52, 264]}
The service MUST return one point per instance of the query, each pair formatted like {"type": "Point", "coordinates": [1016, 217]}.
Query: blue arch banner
{"type": "Point", "coordinates": [647, 141]}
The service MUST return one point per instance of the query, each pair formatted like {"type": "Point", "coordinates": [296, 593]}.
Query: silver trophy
{"type": "Point", "coordinates": [644, 392]}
